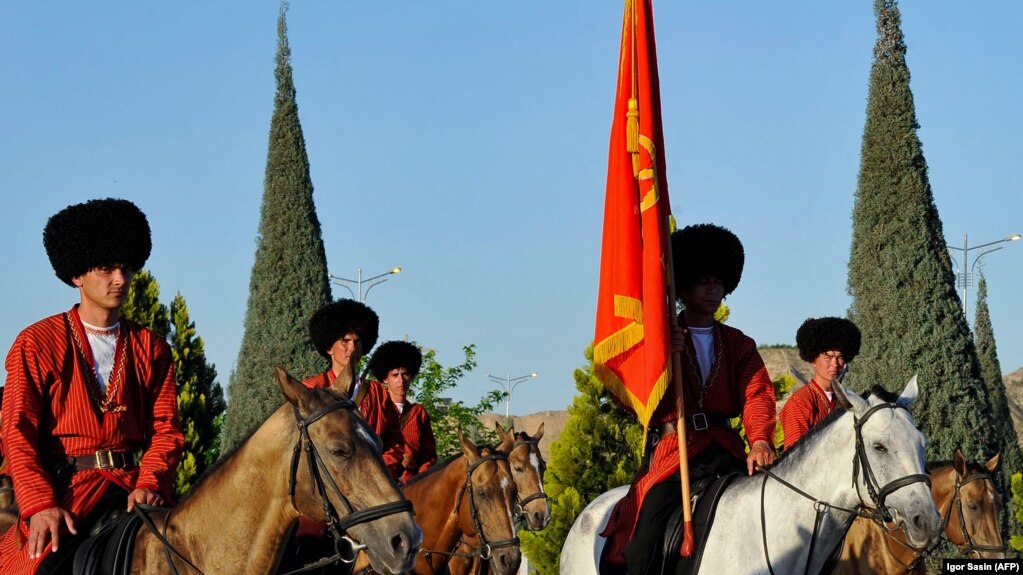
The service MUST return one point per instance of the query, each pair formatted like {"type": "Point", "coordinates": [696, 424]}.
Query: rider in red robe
{"type": "Point", "coordinates": [828, 344]}
{"type": "Point", "coordinates": [86, 390]}
{"type": "Point", "coordinates": [723, 377]}
{"type": "Point", "coordinates": [396, 364]}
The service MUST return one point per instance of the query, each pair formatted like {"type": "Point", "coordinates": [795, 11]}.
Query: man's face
{"type": "Point", "coordinates": [347, 350]}
{"type": "Point", "coordinates": [828, 365]}
{"type": "Point", "coordinates": [104, 287]}
{"type": "Point", "coordinates": [397, 382]}
{"type": "Point", "coordinates": [705, 296]}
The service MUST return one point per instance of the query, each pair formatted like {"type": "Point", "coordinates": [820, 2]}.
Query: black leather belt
{"type": "Point", "coordinates": [701, 421]}
{"type": "Point", "coordinates": [104, 459]}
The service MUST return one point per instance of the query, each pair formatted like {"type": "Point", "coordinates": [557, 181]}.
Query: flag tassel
{"type": "Point", "coordinates": [632, 134]}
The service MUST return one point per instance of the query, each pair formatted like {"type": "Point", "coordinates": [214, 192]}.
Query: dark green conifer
{"type": "Point", "coordinates": [900, 273]}
{"type": "Point", "coordinates": [289, 277]}
{"type": "Point", "coordinates": [991, 372]}
{"type": "Point", "coordinates": [598, 450]}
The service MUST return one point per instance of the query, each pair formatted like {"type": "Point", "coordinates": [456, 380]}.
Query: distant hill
{"type": "Point", "coordinates": [1014, 393]}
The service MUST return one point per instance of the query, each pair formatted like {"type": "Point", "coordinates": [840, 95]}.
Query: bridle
{"type": "Point", "coordinates": [970, 549]}
{"type": "Point", "coordinates": [346, 549]}
{"type": "Point", "coordinates": [876, 511]}
{"type": "Point", "coordinates": [485, 549]}
{"type": "Point", "coordinates": [520, 502]}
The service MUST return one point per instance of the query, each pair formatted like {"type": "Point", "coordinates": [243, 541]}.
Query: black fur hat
{"type": "Point", "coordinates": [96, 233]}
{"type": "Point", "coordinates": [706, 250]}
{"type": "Point", "coordinates": [821, 334]}
{"type": "Point", "coordinates": [395, 354]}
{"type": "Point", "coordinates": [332, 321]}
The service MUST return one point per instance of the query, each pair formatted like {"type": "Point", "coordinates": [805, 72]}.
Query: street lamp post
{"type": "Point", "coordinates": [509, 384]}
{"type": "Point", "coordinates": [964, 273]}
{"type": "Point", "coordinates": [368, 282]}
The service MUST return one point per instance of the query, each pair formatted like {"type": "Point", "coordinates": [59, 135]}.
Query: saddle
{"type": "Point", "coordinates": [707, 493]}
{"type": "Point", "coordinates": [109, 550]}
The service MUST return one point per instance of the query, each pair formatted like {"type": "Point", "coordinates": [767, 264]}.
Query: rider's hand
{"type": "Point", "coordinates": [44, 527]}
{"type": "Point", "coordinates": [145, 497]}
{"type": "Point", "coordinates": [760, 454]}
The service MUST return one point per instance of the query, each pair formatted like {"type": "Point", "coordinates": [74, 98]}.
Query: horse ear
{"type": "Point", "coordinates": [849, 401]}
{"type": "Point", "coordinates": [292, 388]}
{"type": "Point", "coordinates": [500, 429]}
{"type": "Point", "coordinates": [469, 449]}
{"type": "Point", "coordinates": [959, 462]}
{"type": "Point", "coordinates": [539, 432]}
{"type": "Point", "coordinates": [992, 463]}
{"type": "Point", "coordinates": [908, 394]}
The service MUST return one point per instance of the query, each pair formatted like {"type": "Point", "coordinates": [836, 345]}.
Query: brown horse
{"type": "Point", "coordinates": [240, 517]}
{"type": "Point", "coordinates": [470, 494]}
{"type": "Point", "coordinates": [528, 468]}
{"type": "Point", "coordinates": [969, 504]}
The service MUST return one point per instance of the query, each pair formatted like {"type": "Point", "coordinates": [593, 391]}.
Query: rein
{"type": "Point", "coordinates": [877, 513]}
{"type": "Point", "coordinates": [346, 549]}
{"type": "Point", "coordinates": [485, 549]}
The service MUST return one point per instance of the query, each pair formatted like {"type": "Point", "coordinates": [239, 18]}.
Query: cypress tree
{"type": "Point", "coordinates": [200, 398]}
{"type": "Point", "coordinates": [991, 372]}
{"type": "Point", "coordinates": [142, 305]}
{"type": "Point", "coordinates": [900, 273]}
{"type": "Point", "coordinates": [289, 277]}
{"type": "Point", "coordinates": [598, 450]}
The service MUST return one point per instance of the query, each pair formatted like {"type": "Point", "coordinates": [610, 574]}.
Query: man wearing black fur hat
{"type": "Point", "coordinates": [86, 390]}
{"type": "Point", "coordinates": [827, 344]}
{"type": "Point", "coordinates": [343, 331]}
{"type": "Point", "coordinates": [396, 364]}
{"type": "Point", "coordinates": [723, 376]}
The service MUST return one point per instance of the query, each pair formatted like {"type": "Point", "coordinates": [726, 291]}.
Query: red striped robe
{"type": "Point", "coordinates": [805, 409]}
{"type": "Point", "coordinates": [738, 385]}
{"type": "Point", "coordinates": [381, 415]}
{"type": "Point", "coordinates": [48, 414]}
{"type": "Point", "coordinates": [420, 444]}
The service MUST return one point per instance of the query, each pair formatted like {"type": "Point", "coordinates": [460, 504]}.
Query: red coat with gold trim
{"type": "Point", "coordinates": [420, 444]}
{"type": "Point", "coordinates": [805, 409]}
{"type": "Point", "coordinates": [738, 386]}
{"type": "Point", "coordinates": [381, 415]}
{"type": "Point", "coordinates": [50, 412]}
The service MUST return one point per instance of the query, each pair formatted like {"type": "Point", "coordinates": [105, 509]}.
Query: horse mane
{"type": "Point", "coordinates": [522, 436]}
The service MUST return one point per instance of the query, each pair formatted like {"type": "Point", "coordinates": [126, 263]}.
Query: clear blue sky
{"type": "Point", "coordinates": [466, 142]}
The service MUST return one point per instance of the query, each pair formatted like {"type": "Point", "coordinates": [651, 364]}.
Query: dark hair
{"type": "Point", "coordinates": [706, 250]}
{"type": "Point", "coordinates": [395, 354]}
{"type": "Point", "coordinates": [96, 233]}
{"type": "Point", "coordinates": [818, 335]}
{"type": "Point", "coordinates": [332, 321]}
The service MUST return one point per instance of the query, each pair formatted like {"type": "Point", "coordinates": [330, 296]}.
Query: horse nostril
{"type": "Point", "coordinates": [398, 543]}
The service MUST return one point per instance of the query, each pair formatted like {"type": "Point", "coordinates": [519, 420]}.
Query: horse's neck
{"type": "Point", "coordinates": [824, 467]}
{"type": "Point", "coordinates": [241, 514]}
{"type": "Point", "coordinates": [445, 492]}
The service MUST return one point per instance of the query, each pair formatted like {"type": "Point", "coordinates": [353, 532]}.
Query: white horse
{"type": "Point", "coordinates": [867, 459]}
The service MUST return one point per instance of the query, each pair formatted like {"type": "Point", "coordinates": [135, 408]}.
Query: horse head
{"type": "Point", "coordinates": [491, 493]}
{"type": "Point", "coordinates": [888, 469]}
{"type": "Point", "coordinates": [528, 468]}
{"type": "Point", "coordinates": [343, 481]}
{"type": "Point", "coordinates": [973, 507]}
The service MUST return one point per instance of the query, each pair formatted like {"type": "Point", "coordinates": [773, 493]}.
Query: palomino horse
{"type": "Point", "coordinates": [867, 458]}
{"type": "Point", "coordinates": [969, 503]}
{"type": "Point", "coordinates": [528, 468]}
{"type": "Point", "coordinates": [470, 494]}
{"type": "Point", "coordinates": [239, 518]}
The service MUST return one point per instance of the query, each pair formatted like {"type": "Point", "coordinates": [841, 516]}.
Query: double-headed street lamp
{"type": "Point", "coordinates": [509, 384]}
{"type": "Point", "coordinates": [964, 273]}
{"type": "Point", "coordinates": [359, 283]}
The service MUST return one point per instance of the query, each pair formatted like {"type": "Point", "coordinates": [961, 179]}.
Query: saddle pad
{"type": "Point", "coordinates": [109, 552]}
{"type": "Point", "coordinates": [703, 518]}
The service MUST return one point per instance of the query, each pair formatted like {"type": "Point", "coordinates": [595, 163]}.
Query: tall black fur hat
{"type": "Point", "coordinates": [395, 354]}
{"type": "Point", "coordinates": [96, 233]}
{"type": "Point", "coordinates": [821, 334]}
{"type": "Point", "coordinates": [332, 321]}
{"type": "Point", "coordinates": [705, 250]}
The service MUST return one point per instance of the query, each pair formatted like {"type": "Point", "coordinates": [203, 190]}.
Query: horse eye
{"type": "Point", "coordinates": [518, 469]}
{"type": "Point", "coordinates": [973, 505]}
{"type": "Point", "coordinates": [880, 448]}
{"type": "Point", "coordinates": [340, 452]}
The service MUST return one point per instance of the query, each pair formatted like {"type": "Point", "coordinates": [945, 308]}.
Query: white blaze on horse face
{"type": "Point", "coordinates": [505, 487]}
{"type": "Point", "coordinates": [534, 460]}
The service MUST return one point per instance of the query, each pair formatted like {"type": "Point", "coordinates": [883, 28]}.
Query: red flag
{"type": "Point", "coordinates": [631, 352]}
